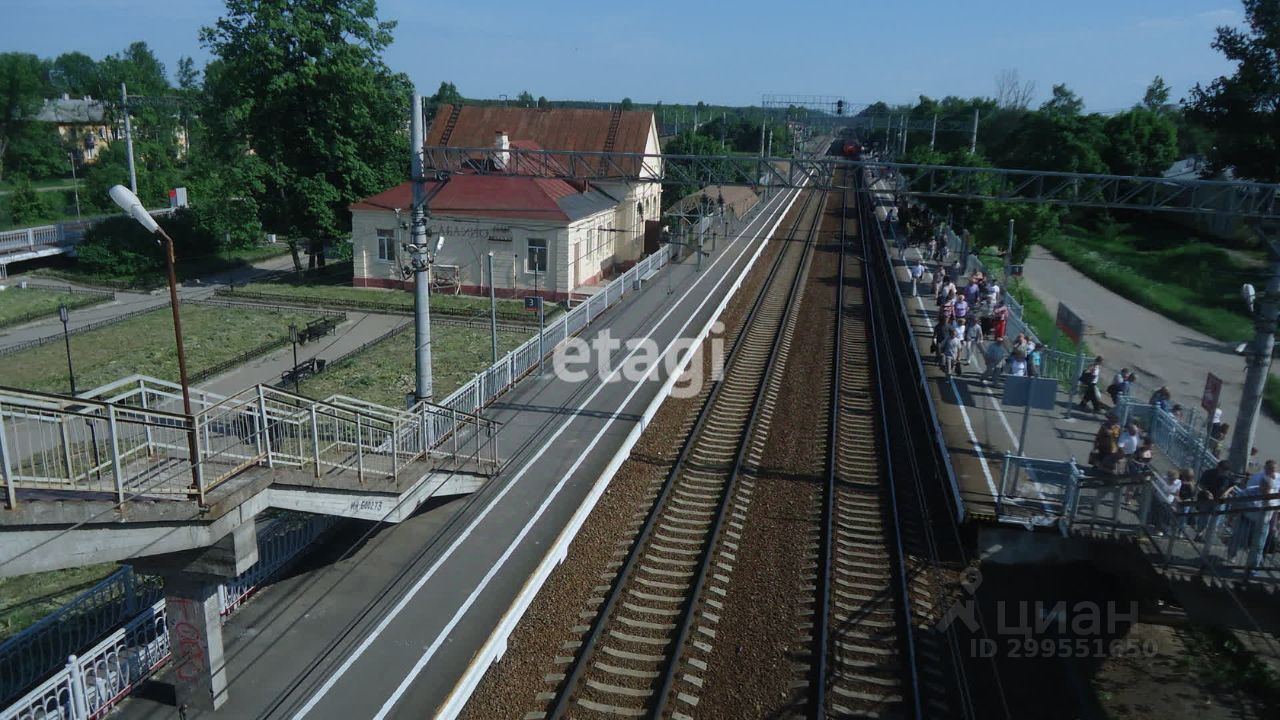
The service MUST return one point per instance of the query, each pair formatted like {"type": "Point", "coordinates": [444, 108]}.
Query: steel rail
{"type": "Point", "coordinates": [585, 653]}
{"type": "Point", "coordinates": [882, 368]}
{"type": "Point", "coordinates": [708, 555]}
{"type": "Point", "coordinates": [822, 612]}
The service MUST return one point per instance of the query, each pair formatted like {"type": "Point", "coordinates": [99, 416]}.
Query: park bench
{"type": "Point", "coordinates": [302, 370]}
{"type": "Point", "coordinates": [319, 328]}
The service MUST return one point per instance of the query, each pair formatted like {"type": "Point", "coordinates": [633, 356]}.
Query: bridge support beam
{"type": "Point", "coordinates": [193, 610]}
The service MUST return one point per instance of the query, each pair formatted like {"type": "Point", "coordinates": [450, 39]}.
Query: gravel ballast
{"type": "Point", "coordinates": [518, 683]}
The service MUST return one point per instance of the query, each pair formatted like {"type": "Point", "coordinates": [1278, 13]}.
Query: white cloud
{"type": "Point", "coordinates": [1223, 16]}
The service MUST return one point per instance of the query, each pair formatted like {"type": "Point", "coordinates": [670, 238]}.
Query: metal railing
{"type": "Point", "coordinates": [136, 443]}
{"type": "Point", "coordinates": [1200, 536]}
{"type": "Point", "coordinates": [32, 653]}
{"type": "Point", "coordinates": [1184, 445]}
{"type": "Point", "coordinates": [91, 683]}
{"type": "Point", "coordinates": [490, 383]}
{"type": "Point", "coordinates": [60, 235]}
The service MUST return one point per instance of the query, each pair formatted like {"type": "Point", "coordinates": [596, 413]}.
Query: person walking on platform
{"type": "Point", "coordinates": [917, 273]}
{"type": "Point", "coordinates": [972, 341]}
{"type": "Point", "coordinates": [1089, 386]}
{"type": "Point", "coordinates": [994, 360]}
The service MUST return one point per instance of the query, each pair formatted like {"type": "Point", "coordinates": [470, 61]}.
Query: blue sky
{"type": "Point", "coordinates": [1106, 50]}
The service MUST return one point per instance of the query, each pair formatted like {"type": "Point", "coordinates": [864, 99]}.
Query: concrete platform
{"type": "Point", "coordinates": [391, 628]}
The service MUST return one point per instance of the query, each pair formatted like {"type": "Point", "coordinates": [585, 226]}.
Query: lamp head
{"type": "Point", "coordinates": [1248, 294]}
{"type": "Point", "coordinates": [129, 202]}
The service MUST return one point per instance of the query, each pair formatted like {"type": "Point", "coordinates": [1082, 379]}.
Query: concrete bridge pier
{"type": "Point", "coordinates": [193, 613]}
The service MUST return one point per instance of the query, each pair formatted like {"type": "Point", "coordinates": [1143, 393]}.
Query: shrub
{"type": "Point", "coordinates": [120, 246]}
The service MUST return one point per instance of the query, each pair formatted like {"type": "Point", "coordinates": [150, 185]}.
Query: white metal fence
{"type": "Point", "coordinates": [91, 683]}
{"type": "Point", "coordinates": [62, 235]}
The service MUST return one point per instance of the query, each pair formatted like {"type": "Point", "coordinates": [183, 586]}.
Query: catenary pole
{"type": "Point", "coordinates": [1258, 366]}
{"type": "Point", "coordinates": [421, 261]}
{"type": "Point", "coordinates": [493, 309]}
{"type": "Point", "coordinates": [973, 143]}
{"type": "Point", "coordinates": [128, 138]}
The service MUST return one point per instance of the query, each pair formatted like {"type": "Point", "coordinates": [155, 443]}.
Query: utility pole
{"type": "Point", "coordinates": [933, 135]}
{"type": "Point", "coordinates": [1008, 257]}
{"type": "Point", "coordinates": [75, 183]}
{"type": "Point", "coordinates": [1257, 365]}
{"type": "Point", "coordinates": [128, 138]}
{"type": "Point", "coordinates": [702, 231]}
{"type": "Point", "coordinates": [905, 129]}
{"type": "Point", "coordinates": [973, 144]}
{"type": "Point", "coordinates": [763, 122]}
{"type": "Point", "coordinates": [493, 309]}
{"type": "Point", "coordinates": [420, 261]}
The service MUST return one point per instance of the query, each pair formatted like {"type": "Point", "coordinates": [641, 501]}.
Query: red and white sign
{"type": "Point", "coordinates": [1212, 391]}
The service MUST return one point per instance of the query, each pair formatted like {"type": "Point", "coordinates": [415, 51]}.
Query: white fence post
{"type": "Point", "coordinates": [116, 471]}
{"type": "Point", "coordinates": [75, 679]}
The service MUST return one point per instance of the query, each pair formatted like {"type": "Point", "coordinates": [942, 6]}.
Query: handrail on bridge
{"type": "Point", "coordinates": [127, 446]}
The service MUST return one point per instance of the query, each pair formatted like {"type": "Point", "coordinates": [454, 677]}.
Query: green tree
{"type": "Point", "coordinates": [1157, 95]}
{"type": "Point", "coordinates": [1140, 142]}
{"type": "Point", "coordinates": [447, 94]}
{"type": "Point", "coordinates": [1243, 110]}
{"type": "Point", "coordinates": [627, 104]}
{"type": "Point", "coordinates": [25, 204]}
{"type": "Point", "coordinates": [1064, 103]}
{"type": "Point", "coordinates": [1056, 140]}
{"type": "Point", "coordinates": [23, 85]}
{"type": "Point", "coordinates": [525, 98]}
{"type": "Point", "coordinates": [39, 152]}
{"type": "Point", "coordinates": [302, 87]}
{"type": "Point", "coordinates": [77, 75]}
{"type": "Point", "coordinates": [543, 102]}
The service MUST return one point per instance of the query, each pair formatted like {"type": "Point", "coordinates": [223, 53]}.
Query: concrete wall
{"type": "Point", "coordinates": [469, 240]}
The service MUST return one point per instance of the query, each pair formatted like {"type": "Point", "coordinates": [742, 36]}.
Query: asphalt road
{"type": "Point", "coordinates": [1159, 350]}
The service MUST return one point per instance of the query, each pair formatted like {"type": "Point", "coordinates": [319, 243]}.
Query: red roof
{"type": "Point", "coordinates": [552, 128]}
{"type": "Point", "coordinates": [494, 196]}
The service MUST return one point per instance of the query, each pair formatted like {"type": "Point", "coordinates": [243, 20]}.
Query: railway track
{"type": "Point", "coordinates": [862, 661]}
{"type": "Point", "coordinates": [643, 655]}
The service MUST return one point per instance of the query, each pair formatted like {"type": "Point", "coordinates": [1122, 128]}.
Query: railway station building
{"type": "Point", "coordinates": [548, 236]}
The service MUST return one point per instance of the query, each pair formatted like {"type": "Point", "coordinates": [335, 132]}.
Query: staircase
{"type": "Point", "coordinates": [611, 138]}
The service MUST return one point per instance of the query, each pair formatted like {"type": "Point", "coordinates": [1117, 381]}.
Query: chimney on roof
{"type": "Point", "coordinates": [503, 144]}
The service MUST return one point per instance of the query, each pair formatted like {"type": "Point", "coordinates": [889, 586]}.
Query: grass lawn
{"type": "Point", "coordinates": [358, 297]}
{"type": "Point", "coordinates": [22, 304]}
{"type": "Point", "coordinates": [1038, 318]}
{"type": "Point", "coordinates": [384, 373]}
{"type": "Point", "coordinates": [1194, 283]}
{"type": "Point", "coordinates": [27, 598]}
{"type": "Point", "coordinates": [144, 345]}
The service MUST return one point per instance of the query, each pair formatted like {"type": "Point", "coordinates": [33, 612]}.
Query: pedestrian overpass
{"type": "Point", "coordinates": [120, 472]}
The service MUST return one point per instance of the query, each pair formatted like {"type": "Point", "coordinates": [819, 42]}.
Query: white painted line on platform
{"type": "Point", "coordinates": [408, 597]}
{"type": "Point", "coordinates": [964, 415]}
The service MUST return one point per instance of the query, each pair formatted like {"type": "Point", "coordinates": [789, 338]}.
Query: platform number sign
{"type": "Point", "coordinates": [532, 303]}
{"type": "Point", "coordinates": [1212, 391]}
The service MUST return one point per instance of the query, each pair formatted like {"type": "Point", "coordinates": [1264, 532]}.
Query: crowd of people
{"type": "Point", "coordinates": [971, 322]}
{"type": "Point", "coordinates": [1181, 501]}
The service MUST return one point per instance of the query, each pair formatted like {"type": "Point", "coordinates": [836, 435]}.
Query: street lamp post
{"type": "Point", "coordinates": [129, 203]}
{"type": "Point", "coordinates": [66, 337]}
{"type": "Point", "coordinates": [293, 338]}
